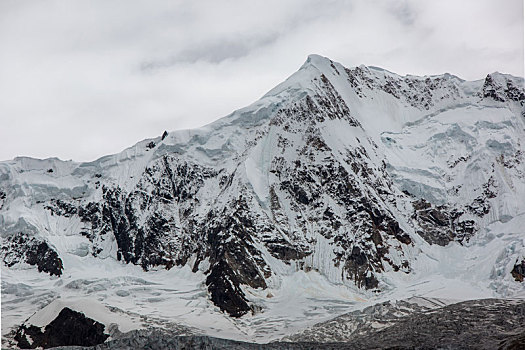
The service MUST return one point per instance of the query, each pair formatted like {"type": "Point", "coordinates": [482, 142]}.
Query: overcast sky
{"type": "Point", "coordinates": [81, 79]}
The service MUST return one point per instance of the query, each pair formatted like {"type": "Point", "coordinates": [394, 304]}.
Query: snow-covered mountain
{"type": "Point", "coordinates": [337, 189]}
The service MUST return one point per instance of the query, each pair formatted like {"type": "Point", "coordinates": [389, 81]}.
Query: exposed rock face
{"type": "Point", "coordinates": [518, 272]}
{"type": "Point", "coordinates": [33, 251]}
{"type": "Point", "coordinates": [337, 170]}
{"type": "Point", "coordinates": [234, 259]}
{"type": "Point", "coordinates": [68, 328]}
{"type": "Point", "coordinates": [421, 93]}
{"type": "Point", "coordinates": [501, 89]}
{"type": "Point", "coordinates": [441, 225]}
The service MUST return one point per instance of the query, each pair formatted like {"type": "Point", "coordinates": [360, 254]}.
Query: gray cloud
{"type": "Point", "coordinates": [403, 11]}
{"type": "Point", "coordinates": [213, 52]}
{"type": "Point", "coordinates": [86, 78]}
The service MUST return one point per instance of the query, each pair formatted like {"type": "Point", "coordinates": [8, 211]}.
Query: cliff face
{"type": "Point", "coordinates": [352, 173]}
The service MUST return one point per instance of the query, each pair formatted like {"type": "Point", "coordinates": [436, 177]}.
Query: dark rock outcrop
{"type": "Point", "coordinates": [441, 224]}
{"type": "Point", "coordinates": [234, 259]}
{"type": "Point", "coordinates": [21, 248]}
{"type": "Point", "coordinates": [518, 271]}
{"type": "Point", "coordinates": [501, 91]}
{"type": "Point", "coordinates": [61, 208]}
{"type": "Point", "coordinates": [68, 328]}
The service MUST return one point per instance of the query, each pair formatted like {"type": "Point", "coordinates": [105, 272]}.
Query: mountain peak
{"type": "Point", "coordinates": [318, 60]}
{"type": "Point", "coordinates": [323, 64]}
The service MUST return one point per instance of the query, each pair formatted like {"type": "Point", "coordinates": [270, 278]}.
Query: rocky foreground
{"type": "Point", "coordinates": [412, 324]}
